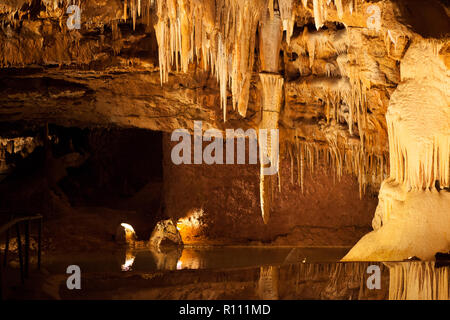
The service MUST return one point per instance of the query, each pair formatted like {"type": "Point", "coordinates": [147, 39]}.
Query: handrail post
{"type": "Point", "coordinates": [27, 247]}
{"type": "Point", "coordinates": [39, 242]}
{"type": "Point", "coordinates": [5, 257]}
{"type": "Point", "coordinates": [1, 282]}
{"type": "Point", "coordinates": [19, 248]}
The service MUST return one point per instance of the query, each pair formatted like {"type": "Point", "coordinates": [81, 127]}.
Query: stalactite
{"type": "Point", "coordinates": [320, 10]}
{"type": "Point", "coordinates": [291, 156]}
{"type": "Point", "coordinates": [287, 17]}
{"type": "Point", "coordinates": [318, 14]}
{"type": "Point", "coordinates": [340, 8]}
{"type": "Point", "coordinates": [272, 86]}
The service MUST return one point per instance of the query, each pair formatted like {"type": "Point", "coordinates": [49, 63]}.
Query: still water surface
{"type": "Point", "coordinates": [272, 272]}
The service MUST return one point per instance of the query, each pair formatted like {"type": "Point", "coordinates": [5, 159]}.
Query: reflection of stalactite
{"type": "Point", "coordinates": [268, 283]}
{"type": "Point", "coordinates": [418, 281]}
{"type": "Point", "coordinates": [334, 281]}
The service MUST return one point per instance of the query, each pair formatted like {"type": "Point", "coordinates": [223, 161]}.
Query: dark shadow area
{"type": "Point", "coordinates": [95, 177]}
{"type": "Point", "coordinates": [425, 17]}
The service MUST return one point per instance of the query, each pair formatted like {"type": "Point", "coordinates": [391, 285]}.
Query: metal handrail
{"type": "Point", "coordinates": [24, 267]}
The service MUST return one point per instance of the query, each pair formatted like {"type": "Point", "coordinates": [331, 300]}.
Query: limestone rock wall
{"type": "Point", "coordinates": [328, 212]}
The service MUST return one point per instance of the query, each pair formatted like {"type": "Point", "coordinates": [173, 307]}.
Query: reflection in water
{"type": "Point", "coordinates": [418, 281]}
{"type": "Point", "coordinates": [129, 260]}
{"type": "Point", "coordinates": [336, 281]}
{"type": "Point", "coordinates": [272, 273]}
{"type": "Point", "coordinates": [167, 258]}
{"type": "Point", "coordinates": [399, 281]}
{"type": "Point", "coordinates": [268, 283]}
{"type": "Point", "coordinates": [190, 259]}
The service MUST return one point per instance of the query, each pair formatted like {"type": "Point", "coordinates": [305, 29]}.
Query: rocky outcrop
{"type": "Point", "coordinates": [165, 234]}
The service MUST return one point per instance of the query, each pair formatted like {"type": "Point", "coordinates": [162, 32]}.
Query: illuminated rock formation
{"type": "Point", "coordinates": [164, 235]}
{"type": "Point", "coordinates": [125, 234]}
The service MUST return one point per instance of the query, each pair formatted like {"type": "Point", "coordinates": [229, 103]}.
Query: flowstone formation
{"type": "Point", "coordinates": [413, 215]}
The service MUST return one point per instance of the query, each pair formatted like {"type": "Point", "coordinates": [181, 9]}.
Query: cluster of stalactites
{"type": "Point", "coordinates": [344, 87]}
{"type": "Point", "coordinates": [268, 282]}
{"type": "Point", "coordinates": [320, 9]}
{"type": "Point", "coordinates": [220, 35]}
{"type": "Point", "coordinates": [369, 167]}
{"type": "Point", "coordinates": [287, 15]}
{"type": "Point", "coordinates": [136, 8]}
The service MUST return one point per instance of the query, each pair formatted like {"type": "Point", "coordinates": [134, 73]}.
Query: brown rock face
{"type": "Point", "coordinates": [328, 212]}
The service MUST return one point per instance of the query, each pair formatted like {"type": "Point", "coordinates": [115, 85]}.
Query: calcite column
{"type": "Point", "coordinates": [272, 88]}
